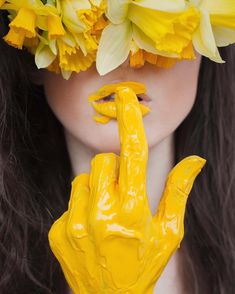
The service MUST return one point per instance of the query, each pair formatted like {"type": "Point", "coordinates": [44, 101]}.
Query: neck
{"type": "Point", "coordinates": [160, 162]}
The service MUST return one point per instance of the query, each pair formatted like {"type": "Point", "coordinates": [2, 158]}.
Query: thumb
{"type": "Point", "coordinates": [169, 217]}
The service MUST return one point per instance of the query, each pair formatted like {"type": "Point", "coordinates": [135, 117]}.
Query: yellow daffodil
{"type": "Point", "coordinates": [83, 21]}
{"type": "Point", "coordinates": [152, 29]}
{"type": "Point", "coordinates": [2, 2]}
{"type": "Point", "coordinates": [23, 25]}
{"type": "Point", "coordinates": [70, 14]}
{"type": "Point", "coordinates": [69, 35]}
{"type": "Point", "coordinates": [55, 27]}
{"type": "Point", "coordinates": [217, 27]}
{"type": "Point", "coordinates": [26, 16]}
{"type": "Point", "coordinates": [72, 59]}
{"type": "Point", "coordinates": [76, 41]}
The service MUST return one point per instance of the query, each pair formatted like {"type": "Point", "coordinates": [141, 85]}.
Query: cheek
{"type": "Point", "coordinates": [68, 101]}
{"type": "Point", "coordinates": [175, 93]}
{"type": "Point", "coordinates": [64, 98]}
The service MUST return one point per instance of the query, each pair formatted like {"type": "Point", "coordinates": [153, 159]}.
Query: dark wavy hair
{"type": "Point", "coordinates": [35, 179]}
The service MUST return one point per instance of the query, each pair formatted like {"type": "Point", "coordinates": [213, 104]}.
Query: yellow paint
{"type": "Point", "coordinates": [108, 109]}
{"type": "Point", "coordinates": [108, 241]}
{"type": "Point", "coordinates": [105, 90]}
{"type": "Point", "coordinates": [101, 119]}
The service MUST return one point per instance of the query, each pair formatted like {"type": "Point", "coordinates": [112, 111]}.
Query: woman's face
{"type": "Point", "coordinates": [172, 91]}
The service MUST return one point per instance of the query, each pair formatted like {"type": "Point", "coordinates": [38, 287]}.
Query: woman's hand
{"type": "Point", "coordinates": [108, 241]}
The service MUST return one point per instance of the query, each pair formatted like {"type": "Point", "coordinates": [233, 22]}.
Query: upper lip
{"type": "Point", "coordinates": [144, 96]}
{"type": "Point", "coordinates": [95, 97]}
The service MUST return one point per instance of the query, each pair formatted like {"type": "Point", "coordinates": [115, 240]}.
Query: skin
{"type": "Point", "coordinates": [172, 92]}
{"type": "Point", "coordinates": [173, 95]}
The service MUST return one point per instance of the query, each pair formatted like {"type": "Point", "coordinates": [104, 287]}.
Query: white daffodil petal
{"type": "Point", "coordinates": [53, 47]}
{"type": "Point", "coordinates": [66, 74]}
{"type": "Point", "coordinates": [44, 56]}
{"type": "Point", "coordinates": [111, 54]}
{"type": "Point", "coordinates": [80, 40]}
{"type": "Point", "coordinates": [96, 2]}
{"type": "Point", "coordinates": [223, 36]}
{"type": "Point", "coordinates": [166, 5]}
{"type": "Point", "coordinates": [69, 40]}
{"type": "Point", "coordinates": [195, 2]}
{"type": "Point", "coordinates": [218, 6]}
{"type": "Point", "coordinates": [81, 4]}
{"type": "Point", "coordinates": [204, 41]}
{"type": "Point", "coordinates": [117, 10]}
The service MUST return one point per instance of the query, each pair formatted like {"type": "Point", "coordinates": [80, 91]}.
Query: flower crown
{"type": "Point", "coordinates": [70, 35]}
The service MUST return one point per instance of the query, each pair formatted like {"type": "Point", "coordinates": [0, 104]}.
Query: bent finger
{"type": "Point", "coordinates": [76, 227]}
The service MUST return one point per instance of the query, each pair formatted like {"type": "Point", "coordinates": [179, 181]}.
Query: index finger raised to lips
{"type": "Point", "coordinates": [134, 148]}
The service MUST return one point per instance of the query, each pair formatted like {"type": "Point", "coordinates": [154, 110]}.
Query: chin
{"type": "Point", "coordinates": [106, 144]}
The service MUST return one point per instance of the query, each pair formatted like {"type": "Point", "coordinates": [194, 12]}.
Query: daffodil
{"type": "Point", "coordinates": [79, 18]}
{"type": "Point", "coordinates": [2, 2]}
{"type": "Point", "coordinates": [75, 50]}
{"type": "Point", "coordinates": [55, 27]}
{"type": "Point", "coordinates": [26, 16]}
{"type": "Point", "coordinates": [23, 25]}
{"type": "Point", "coordinates": [150, 26]}
{"type": "Point", "coordinates": [69, 35]}
{"type": "Point", "coordinates": [139, 58]}
{"type": "Point", "coordinates": [217, 27]}
{"type": "Point", "coordinates": [72, 59]}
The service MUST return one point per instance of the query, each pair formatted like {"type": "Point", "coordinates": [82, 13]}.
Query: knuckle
{"type": "Point", "coordinates": [80, 179]}
{"type": "Point", "coordinates": [104, 158]}
{"type": "Point", "coordinates": [96, 227]}
{"type": "Point", "coordinates": [76, 231]}
{"type": "Point", "coordinates": [177, 237]}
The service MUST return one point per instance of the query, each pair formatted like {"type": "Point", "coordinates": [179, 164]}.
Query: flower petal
{"type": "Point", "coordinates": [218, 6]}
{"type": "Point", "coordinates": [117, 10]}
{"type": "Point", "coordinates": [55, 27]}
{"type": "Point", "coordinates": [223, 36]}
{"type": "Point", "coordinates": [166, 5]}
{"type": "Point", "coordinates": [44, 56]}
{"type": "Point", "coordinates": [144, 42]}
{"type": "Point", "coordinates": [25, 22]}
{"type": "Point", "coordinates": [72, 58]}
{"type": "Point", "coordinates": [70, 17]}
{"type": "Point", "coordinates": [2, 2]}
{"type": "Point", "coordinates": [111, 54]}
{"type": "Point", "coordinates": [14, 39]}
{"type": "Point", "coordinates": [204, 41]}
{"type": "Point", "coordinates": [171, 32]}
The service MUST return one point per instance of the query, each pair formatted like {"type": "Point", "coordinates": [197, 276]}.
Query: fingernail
{"type": "Point", "coordinates": [185, 172]}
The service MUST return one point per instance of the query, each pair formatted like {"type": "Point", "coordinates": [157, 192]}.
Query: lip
{"type": "Point", "coordinates": [107, 109]}
{"type": "Point", "coordinates": [106, 90]}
